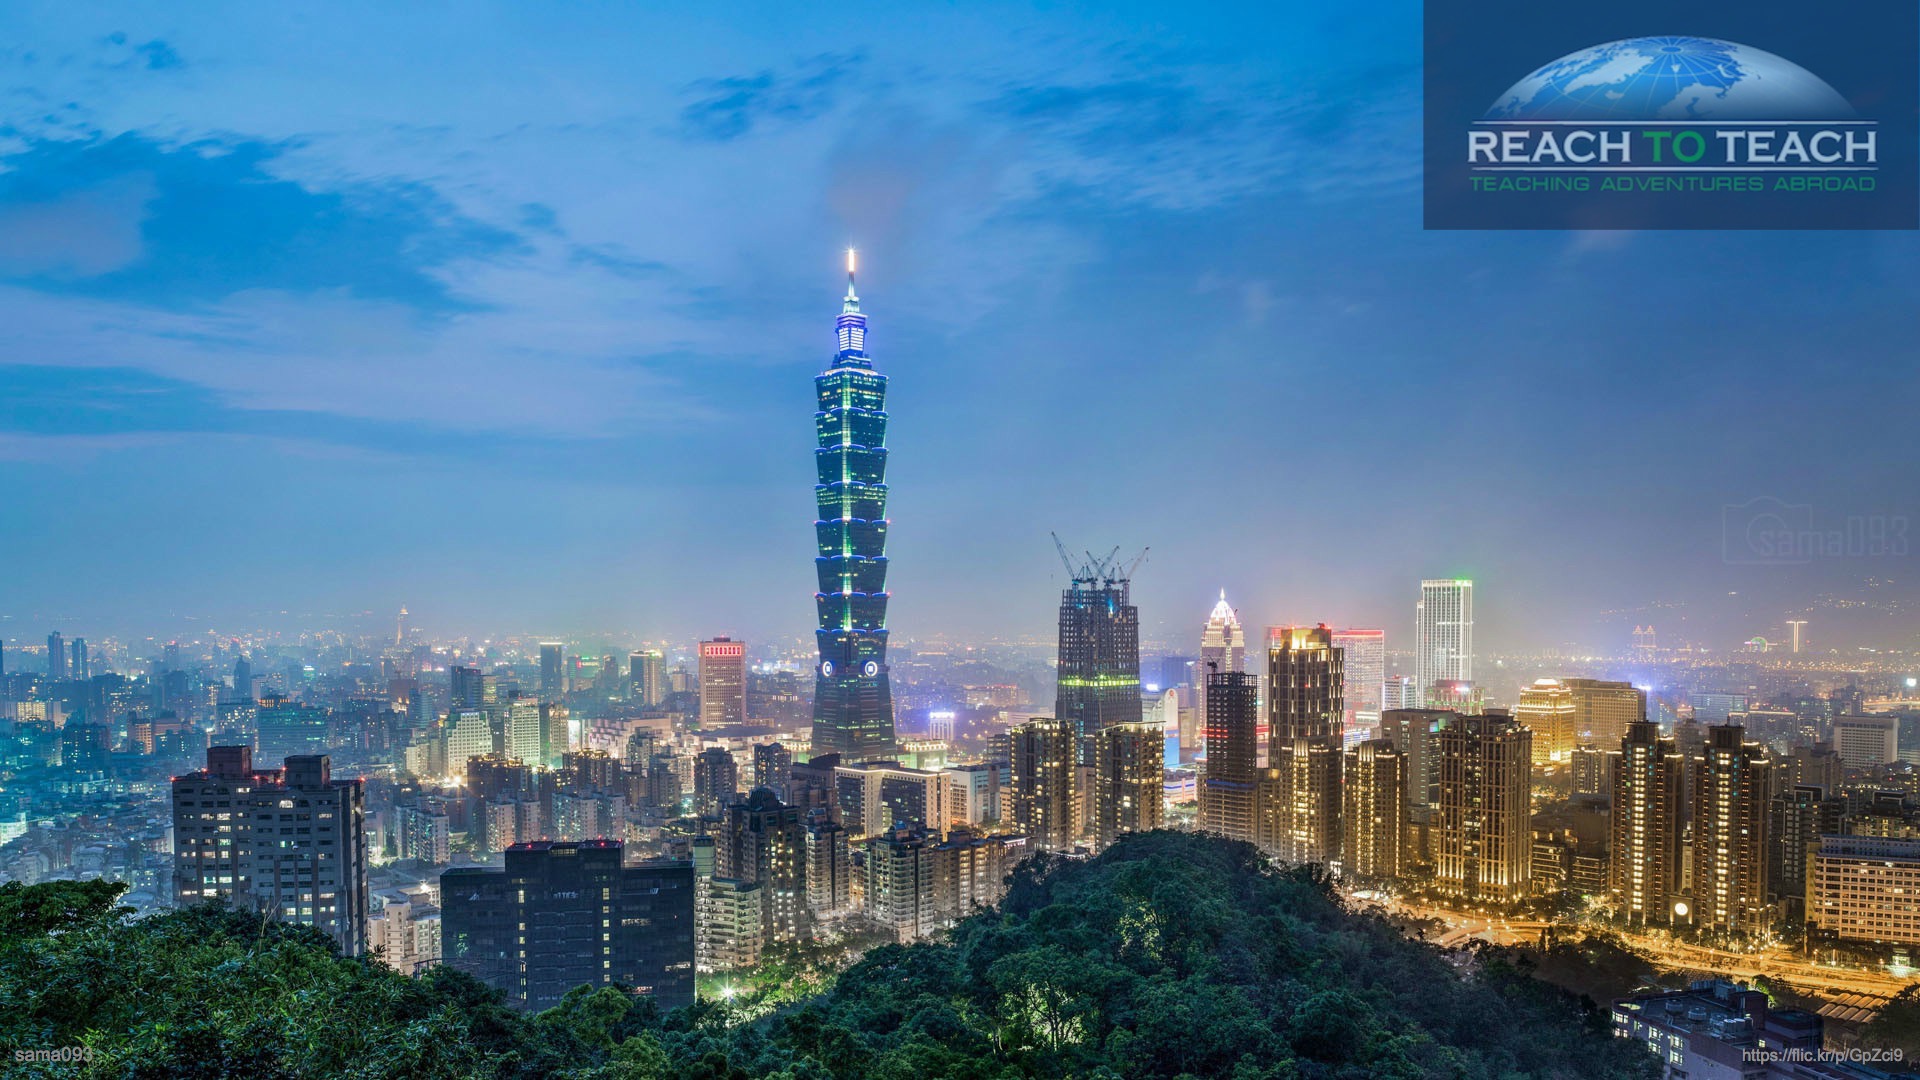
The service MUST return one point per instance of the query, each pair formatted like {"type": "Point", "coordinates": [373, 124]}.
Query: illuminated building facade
{"type": "Point", "coordinates": [1223, 644]}
{"type": "Point", "coordinates": [1128, 779]}
{"type": "Point", "coordinates": [852, 698]}
{"type": "Point", "coordinates": [723, 682]}
{"type": "Point", "coordinates": [1374, 810]}
{"type": "Point", "coordinates": [1483, 835]}
{"type": "Point", "coordinates": [1305, 680]}
{"type": "Point", "coordinates": [1644, 825]}
{"type": "Point", "coordinates": [1232, 767]}
{"type": "Point", "coordinates": [1364, 660]}
{"type": "Point", "coordinates": [1443, 634]}
{"type": "Point", "coordinates": [1730, 789]}
{"type": "Point", "coordinates": [1603, 710]}
{"type": "Point", "coordinates": [1043, 757]}
{"type": "Point", "coordinates": [1547, 708]}
{"type": "Point", "coordinates": [1099, 655]}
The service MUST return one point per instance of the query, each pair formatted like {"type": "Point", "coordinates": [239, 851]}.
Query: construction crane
{"type": "Point", "coordinates": [1097, 568]}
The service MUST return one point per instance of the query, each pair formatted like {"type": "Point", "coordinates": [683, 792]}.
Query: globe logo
{"type": "Point", "coordinates": [1671, 78]}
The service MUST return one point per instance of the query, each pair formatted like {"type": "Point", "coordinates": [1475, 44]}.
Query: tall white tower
{"type": "Point", "coordinates": [1443, 633]}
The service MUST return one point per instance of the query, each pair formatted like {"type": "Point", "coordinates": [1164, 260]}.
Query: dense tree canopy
{"type": "Point", "coordinates": [1171, 955]}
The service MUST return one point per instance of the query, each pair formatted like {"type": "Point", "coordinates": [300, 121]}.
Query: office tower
{"type": "Point", "coordinates": [1866, 741]}
{"type": "Point", "coordinates": [1547, 708]}
{"type": "Point", "coordinates": [763, 842]}
{"type": "Point", "coordinates": [553, 680]}
{"type": "Point", "coordinates": [1797, 818]}
{"type": "Point", "coordinates": [1730, 831]}
{"type": "Point", "coordinates": [1232, 766]}
{"type": "Point", "coordinates": [829, 867]}
{"type": "Point", "coordinates": [772, 766]}
{"type": "Point", "coordinates": [1710, 707]}
{"type": "Point", "coordinates": [716, 781]}
{"type": "Point", "coordinates": [1644, 824]}
{"type": "Point", "coordinates": [1098, 678]}
{"type": "Point", "coordinates": [1129, 792]}
{"type": "Point", "coordinates": [466, 689]}
{"type": "Point", "coordinates": [1595, 770]}
{"type": "Point", "coordinates": [1374, 810]}
{"type": "Point", "coordinates": [647, 670]}
{"type": "Point", "coordinates": [81, 668]}
{"type": "Point", "coordinates": [1305, 677]}
{"type": "Point", "coordinates": [1603, 710]}
{"type": "Point", "coordinates": [723, 682]}
{"type": "Point", "coordinates": [468, 733]}
{"type": "Point", "coordinates": [1443, 634]}
{"type": "Point", "coordinates": [561, 915]}
{"type": "Point", "coordinates": [1044, 756]}
{"type": "Point", "coordinates": [1223, 647]}
{"type": "Point", "coordinates": [852, 698]}
{"type": "Point", "coordinates": [289, 843]}
{"type": "Point", "coordinates": [1364, 659]}
{"type": "Point", "coordinates": [56, 657]}
{"type": "Point", "coordinates": [1399, 692]}
{"type": "Point", "coordinates": [1483, 838]}
{"type": "Point", "coordinates": [525, 737]}
{"type": "Point", "coordinates": [1861, 888]}
{"type": "Point", "coordinates": [242, 680]}
{"type": "Point", "coordinates": [287, 729]}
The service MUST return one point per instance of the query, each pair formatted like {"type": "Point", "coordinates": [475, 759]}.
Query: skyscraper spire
{"type": "Point", "coordinates": [853, 298]}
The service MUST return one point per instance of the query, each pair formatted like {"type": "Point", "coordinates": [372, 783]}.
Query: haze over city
{"type": "Point", "coordinates": [517, 333]}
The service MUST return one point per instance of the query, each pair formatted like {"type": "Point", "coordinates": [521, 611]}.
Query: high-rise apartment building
{"type": "Point", "coordinates": [1305, 678]}
{"type": "Point", "coordinates": [56, 657]}
{"type": "Point", "coordinates": [1364, 661]}
{"type": "Point", "coordinates": [716, 782]}
{"type": "Point", "coordinates": [1098, 679]}
{"type": "Point", "coordinates": [289, 843]}
{"type": "Point", "coordinates": [763, 842]}
{"type": "Point", "coordinates": [1374, 810]}
{"type": "Point", "coordinates": [853, 699]}
{"type": "Point", "coordinates": [1644, 825]}
{"type": "Point", "coordinates": [1129, 792]}
{"type": "Point", "coordinates": [1797, 817]}
{"type": "Point", "coordinates": [81, 666]}
{"type": "Point", "coordinates": [723, 682]}
{"type": "Point", "coordinates": [917, 883]}
{"type": "Point", "coordinates": [1044, 796]}
{"type": "Point", "coordinates": [1232, 767]}
{"type": "Point", "coordinates": [1730, 791]}
{"type": "Point", "coordinates": [1483, 836]}
{"type": "Point", "coordinates": [1443, 634]}
{"type": "Point", "coordinates": [562, 914]}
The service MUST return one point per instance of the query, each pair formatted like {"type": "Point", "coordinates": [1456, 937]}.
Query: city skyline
{"type": "Point", "coordinates": [574, 313]}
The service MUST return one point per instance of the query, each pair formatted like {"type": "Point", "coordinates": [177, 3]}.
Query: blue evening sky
{"type": "Point", "coordinates": [508, 313]}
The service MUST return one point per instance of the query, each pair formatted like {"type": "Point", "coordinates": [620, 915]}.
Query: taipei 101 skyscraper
{"type": "Point", "coordinates": [852, 701]}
